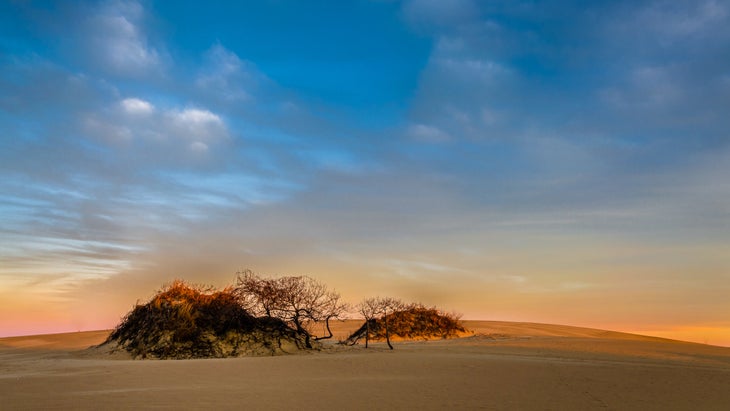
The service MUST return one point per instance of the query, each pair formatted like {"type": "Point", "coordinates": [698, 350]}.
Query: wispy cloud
{"type": "Point", "coordinates": [118, 41]}
{"type": "Point", "coordinates": [225, 76]}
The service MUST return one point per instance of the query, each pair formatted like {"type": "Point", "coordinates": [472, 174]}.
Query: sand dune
{"type": "Point", "coordinates": [501, 366]}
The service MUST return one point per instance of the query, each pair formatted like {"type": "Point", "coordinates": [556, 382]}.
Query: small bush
{"type": "Point", "coordinates": [184, 321]}
{"type": "Point", "coordinates": [414, 322]}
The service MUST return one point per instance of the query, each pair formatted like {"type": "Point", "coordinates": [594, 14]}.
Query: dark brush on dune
{"type": "Point", "coordinates": [261, 316]}
{"type": "Point", "coordinates": [184, 321]}
{"type": "Point", "coordinates": [415, 321]}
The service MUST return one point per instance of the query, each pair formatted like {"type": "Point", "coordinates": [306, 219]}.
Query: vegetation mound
{"type": "Point", "coordinates": [413, 322]}
{"type": "Point", "coordinates": [184, 321]}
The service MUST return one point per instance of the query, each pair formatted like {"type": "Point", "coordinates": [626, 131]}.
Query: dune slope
{"type": "Point", "coordinates": [502, 366]}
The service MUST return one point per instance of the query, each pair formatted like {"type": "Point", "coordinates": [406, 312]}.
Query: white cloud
{"type": "Point", "coordinates": [226, 75]}
{"type": "Point", "coordinates": [196, 124]}
{"type": "Point", "coordinates": [161, 133]}
{"type": "Point", "coordinates": [194, 116]}
{"type": "Point", "coordinates": [224, 61]}
{"type": "Point", "coordinates": [137, 106]}
{"type": "Point", "coordinates": [118, 41]}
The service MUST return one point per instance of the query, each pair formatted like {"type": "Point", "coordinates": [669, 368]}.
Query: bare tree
{"type": "Point", "coordinates": [330, 307]}
{"type": "Point", "coordinates": [372, 307]}
{"type": "Point", "coordinates": [369, 308]}
{"type": "Point", "coordinates": [297, 298]}
{"type": "Point", "coordinates": [389, 304]}
{"type": "Point", "coordinates": [259, 296]}
{"type": "Point", "coordinates": [300, 301]}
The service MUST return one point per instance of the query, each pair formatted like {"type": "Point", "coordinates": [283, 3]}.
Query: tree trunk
{"type": "Point", "coordinates": [387, 335]}
{"type": "Point", "coordinates": [367, 332]}
{"type": "Point", "coordinates": [329, 331]}
{"type": "Point", "coordinates": [301, 330]}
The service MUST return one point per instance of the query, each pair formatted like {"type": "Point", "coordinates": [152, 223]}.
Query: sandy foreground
{"type": "Point", "coordinates": [501, 366]}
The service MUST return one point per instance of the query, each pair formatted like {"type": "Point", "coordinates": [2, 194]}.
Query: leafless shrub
{"type": "Point", "coordinates": [300, 301]}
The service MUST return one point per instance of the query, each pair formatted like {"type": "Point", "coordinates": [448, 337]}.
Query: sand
{"type": "Point", "coordinates": [502, 366]}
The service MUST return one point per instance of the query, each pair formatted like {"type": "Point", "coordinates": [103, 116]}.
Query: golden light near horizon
{"type": "Point", "coordinates": [551, 164]}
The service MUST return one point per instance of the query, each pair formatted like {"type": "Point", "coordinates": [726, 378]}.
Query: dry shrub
{"type": "Point", "coordinates": [414, 322]}
{"type": "Point", "coordinates": [186, 321]}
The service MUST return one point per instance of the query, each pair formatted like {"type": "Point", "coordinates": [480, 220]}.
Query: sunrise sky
{"type": "Point", "coordinates": [529, 161]}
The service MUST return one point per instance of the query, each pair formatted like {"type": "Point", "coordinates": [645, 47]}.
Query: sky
{"type": "Point", "coordinates": [559, 161]}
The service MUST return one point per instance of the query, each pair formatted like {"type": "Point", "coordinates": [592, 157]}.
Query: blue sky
{"type": "Point", "coordinates": [495, 158]}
